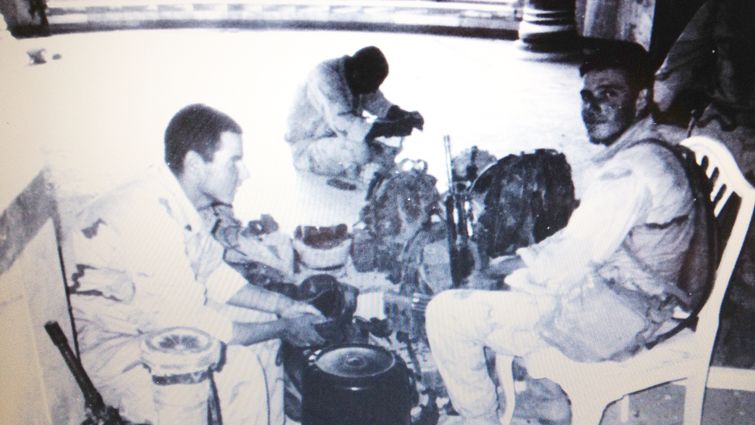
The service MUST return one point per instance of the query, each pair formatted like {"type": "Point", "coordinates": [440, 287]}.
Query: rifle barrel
{"type": "Point", "coordinates": [449, 160]}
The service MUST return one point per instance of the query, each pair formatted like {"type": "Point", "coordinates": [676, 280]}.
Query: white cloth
{"type": "Point", "coordinates": [327, 124]}
{"type": "Point", "coordinates": [626, 228]}
{"type": "Point", "coordinates": [145, 262]}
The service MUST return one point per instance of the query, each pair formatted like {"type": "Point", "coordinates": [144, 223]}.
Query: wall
{"type": "Point", "coordinates": [37, 385]}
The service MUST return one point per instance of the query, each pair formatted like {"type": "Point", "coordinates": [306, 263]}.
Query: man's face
{"type": "Point", "coordinates": [366, 82]}
{"type": "Point", "coordinates": [224, 174]}
{"type": "Point", "coordinates": [608, 105]}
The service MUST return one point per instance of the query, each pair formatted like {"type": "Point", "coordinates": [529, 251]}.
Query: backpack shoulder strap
{"type": "Point", "coordinates": [698, 269]}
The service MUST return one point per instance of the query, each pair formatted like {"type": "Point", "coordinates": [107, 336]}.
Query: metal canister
{"type": "Point", "coordinates": [356, 384]}
{"type": "Point", "coordinates": [181, 361]}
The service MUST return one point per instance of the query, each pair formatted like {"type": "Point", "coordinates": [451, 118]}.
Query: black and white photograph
{"type": "Point", "coordinates": [377, 212]}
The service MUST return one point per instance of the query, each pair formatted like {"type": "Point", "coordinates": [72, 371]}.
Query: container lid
{"type": "Point", "coordinates": [179, 350]}
{"type": "Point", "coordinates": [355, 361]}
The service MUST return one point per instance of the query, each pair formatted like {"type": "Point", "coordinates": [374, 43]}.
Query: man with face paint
{"type": "Point", "coordinates": [604, 286]}
{"type": "Point", "coordinates": [617, 99]}
{"type": "Point", "coordinates": [609, 103]}
{"type": "Point", "coordinates": [327, 129]}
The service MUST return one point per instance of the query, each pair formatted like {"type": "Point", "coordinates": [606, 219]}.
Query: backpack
{"type": "Point", "coordinates": [527, 197]}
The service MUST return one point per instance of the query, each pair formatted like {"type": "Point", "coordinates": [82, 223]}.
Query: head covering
{"type": "Point", "coordinates": [627, 56]}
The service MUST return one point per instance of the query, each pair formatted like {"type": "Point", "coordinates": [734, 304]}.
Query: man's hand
{"type": "Point", "coordinates": [301, 332]}
{"type": "Point", "coordinates": [414, 118]}
{"type": "Point", "coordinates": [520, 280]}
{"type": "Point", "coordinates": [393, 128]}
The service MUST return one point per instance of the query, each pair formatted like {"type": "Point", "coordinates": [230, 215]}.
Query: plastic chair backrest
{"type": "Point", "coordinates": [726, 180]}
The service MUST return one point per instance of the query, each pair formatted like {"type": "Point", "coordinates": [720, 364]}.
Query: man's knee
{"type": "Point", "coordinates": [132, 394]}
{"type": "Point", "coordinates": [329, 156]}
{"type": "Point", "coordinates": [301, 159]}
{"type": "Point", "coordinates": [242, 388]}
{"type": "Point", "coordinates": [348, 156]}
{"type": "Point", "coordinates": [361, 153]}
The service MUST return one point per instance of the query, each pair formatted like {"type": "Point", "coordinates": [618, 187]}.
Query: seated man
{"type": "Point", "coordinates": [328, 133]}
{"type": "Point", "coordinates": [603, 286]}
{"type": "Point", "coordinates": [145, 262]}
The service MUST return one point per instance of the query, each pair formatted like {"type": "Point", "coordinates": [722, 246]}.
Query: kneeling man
{"type": "Point", "coordinates": [327, 129]}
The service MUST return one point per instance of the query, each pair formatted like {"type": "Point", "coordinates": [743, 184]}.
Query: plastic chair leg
{"type": "Point", "coordinates": [505, 375]}
{"type": "Point", "coordinates": [624, 409]}
{"type": "Point", "coordinates": [694, 396]}
{"type": "Point", "coordinates": [585, 411]}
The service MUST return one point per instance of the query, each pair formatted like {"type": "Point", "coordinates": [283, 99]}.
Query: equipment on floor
{"type": "Point", "coordinates": [399, 205]}
{"type": "Point", "coordinates": [322, 247]}
{"type": "Point", "coordinates": [337, 302]}
{"type": "Point", "coordinates": [357, 384]}
{"type": "Point", "coordinates": [181, 361]}
{"type": "Point", "coordinates": [527, 197]}
{"type": "Point", "coordinates": [457, 223]}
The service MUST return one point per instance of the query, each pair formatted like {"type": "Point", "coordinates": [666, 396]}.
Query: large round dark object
{"type": "Point", "coordinates": [526, 198]}
{"type": "Point", "coordinates": [356, 384]}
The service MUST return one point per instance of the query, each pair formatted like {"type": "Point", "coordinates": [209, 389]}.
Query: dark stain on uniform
{"type": "Point", "coordinates": [91, 231]}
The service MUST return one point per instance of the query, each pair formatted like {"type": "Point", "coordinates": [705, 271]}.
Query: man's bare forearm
{"type": "Point", "coordinates": [299, 331]}
{"type": "Point", "coordinates": [247, 333]}
{"type": "Point", "coordinates": [257, 298]}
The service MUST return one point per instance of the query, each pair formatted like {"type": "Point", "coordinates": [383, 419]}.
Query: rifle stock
{"type": "Point", "coordinates": [97, 411]}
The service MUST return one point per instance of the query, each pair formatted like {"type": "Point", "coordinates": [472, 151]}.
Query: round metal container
{"type": "Point", "coordinates": [356, 384]}
{"type": "Point", "coordinates": [181, 361]}
{"type": "Point", "coordinates": [179, 351]}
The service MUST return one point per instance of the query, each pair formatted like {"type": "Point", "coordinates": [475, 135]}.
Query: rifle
{"type": "Point", "coordinates": [97, 412]}
{"type": "Point", "coordinates": [460, 255]}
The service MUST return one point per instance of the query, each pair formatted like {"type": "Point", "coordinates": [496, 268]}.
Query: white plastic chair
{"type": "Point", "coordinates": [684, 357]}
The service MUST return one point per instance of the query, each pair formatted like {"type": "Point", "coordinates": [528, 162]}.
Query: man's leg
{"type": "Point", "coordinates": [460, 323]}
{"type": "Point", "coordinates": [250, 393]}
{"type": "Point", "coordinates": [268, 355]}
{"type": "Point", "coordinates": [330, 156]}
{"type": "Point", "coordinates": [250, 383]}
{"type": "Point", "coordinates": [117, 372]}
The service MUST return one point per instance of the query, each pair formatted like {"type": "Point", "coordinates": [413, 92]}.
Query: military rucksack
{"type": "Point", "coordinates": [527, 197]}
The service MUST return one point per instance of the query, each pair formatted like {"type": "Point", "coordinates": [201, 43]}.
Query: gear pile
{"type": "Point", "coordinates": [527, 198]}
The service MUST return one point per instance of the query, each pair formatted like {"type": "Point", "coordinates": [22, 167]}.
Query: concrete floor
{"type": "Point", "coordinates": [98, 112]}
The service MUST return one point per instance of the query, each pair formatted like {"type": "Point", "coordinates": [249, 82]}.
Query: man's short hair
{"type": "Point", "coordinates": [195, 128]}
{"type": "Point", "coordinates": [370, 61]}
{"type": "Point", "coordinates": [629, 57]}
